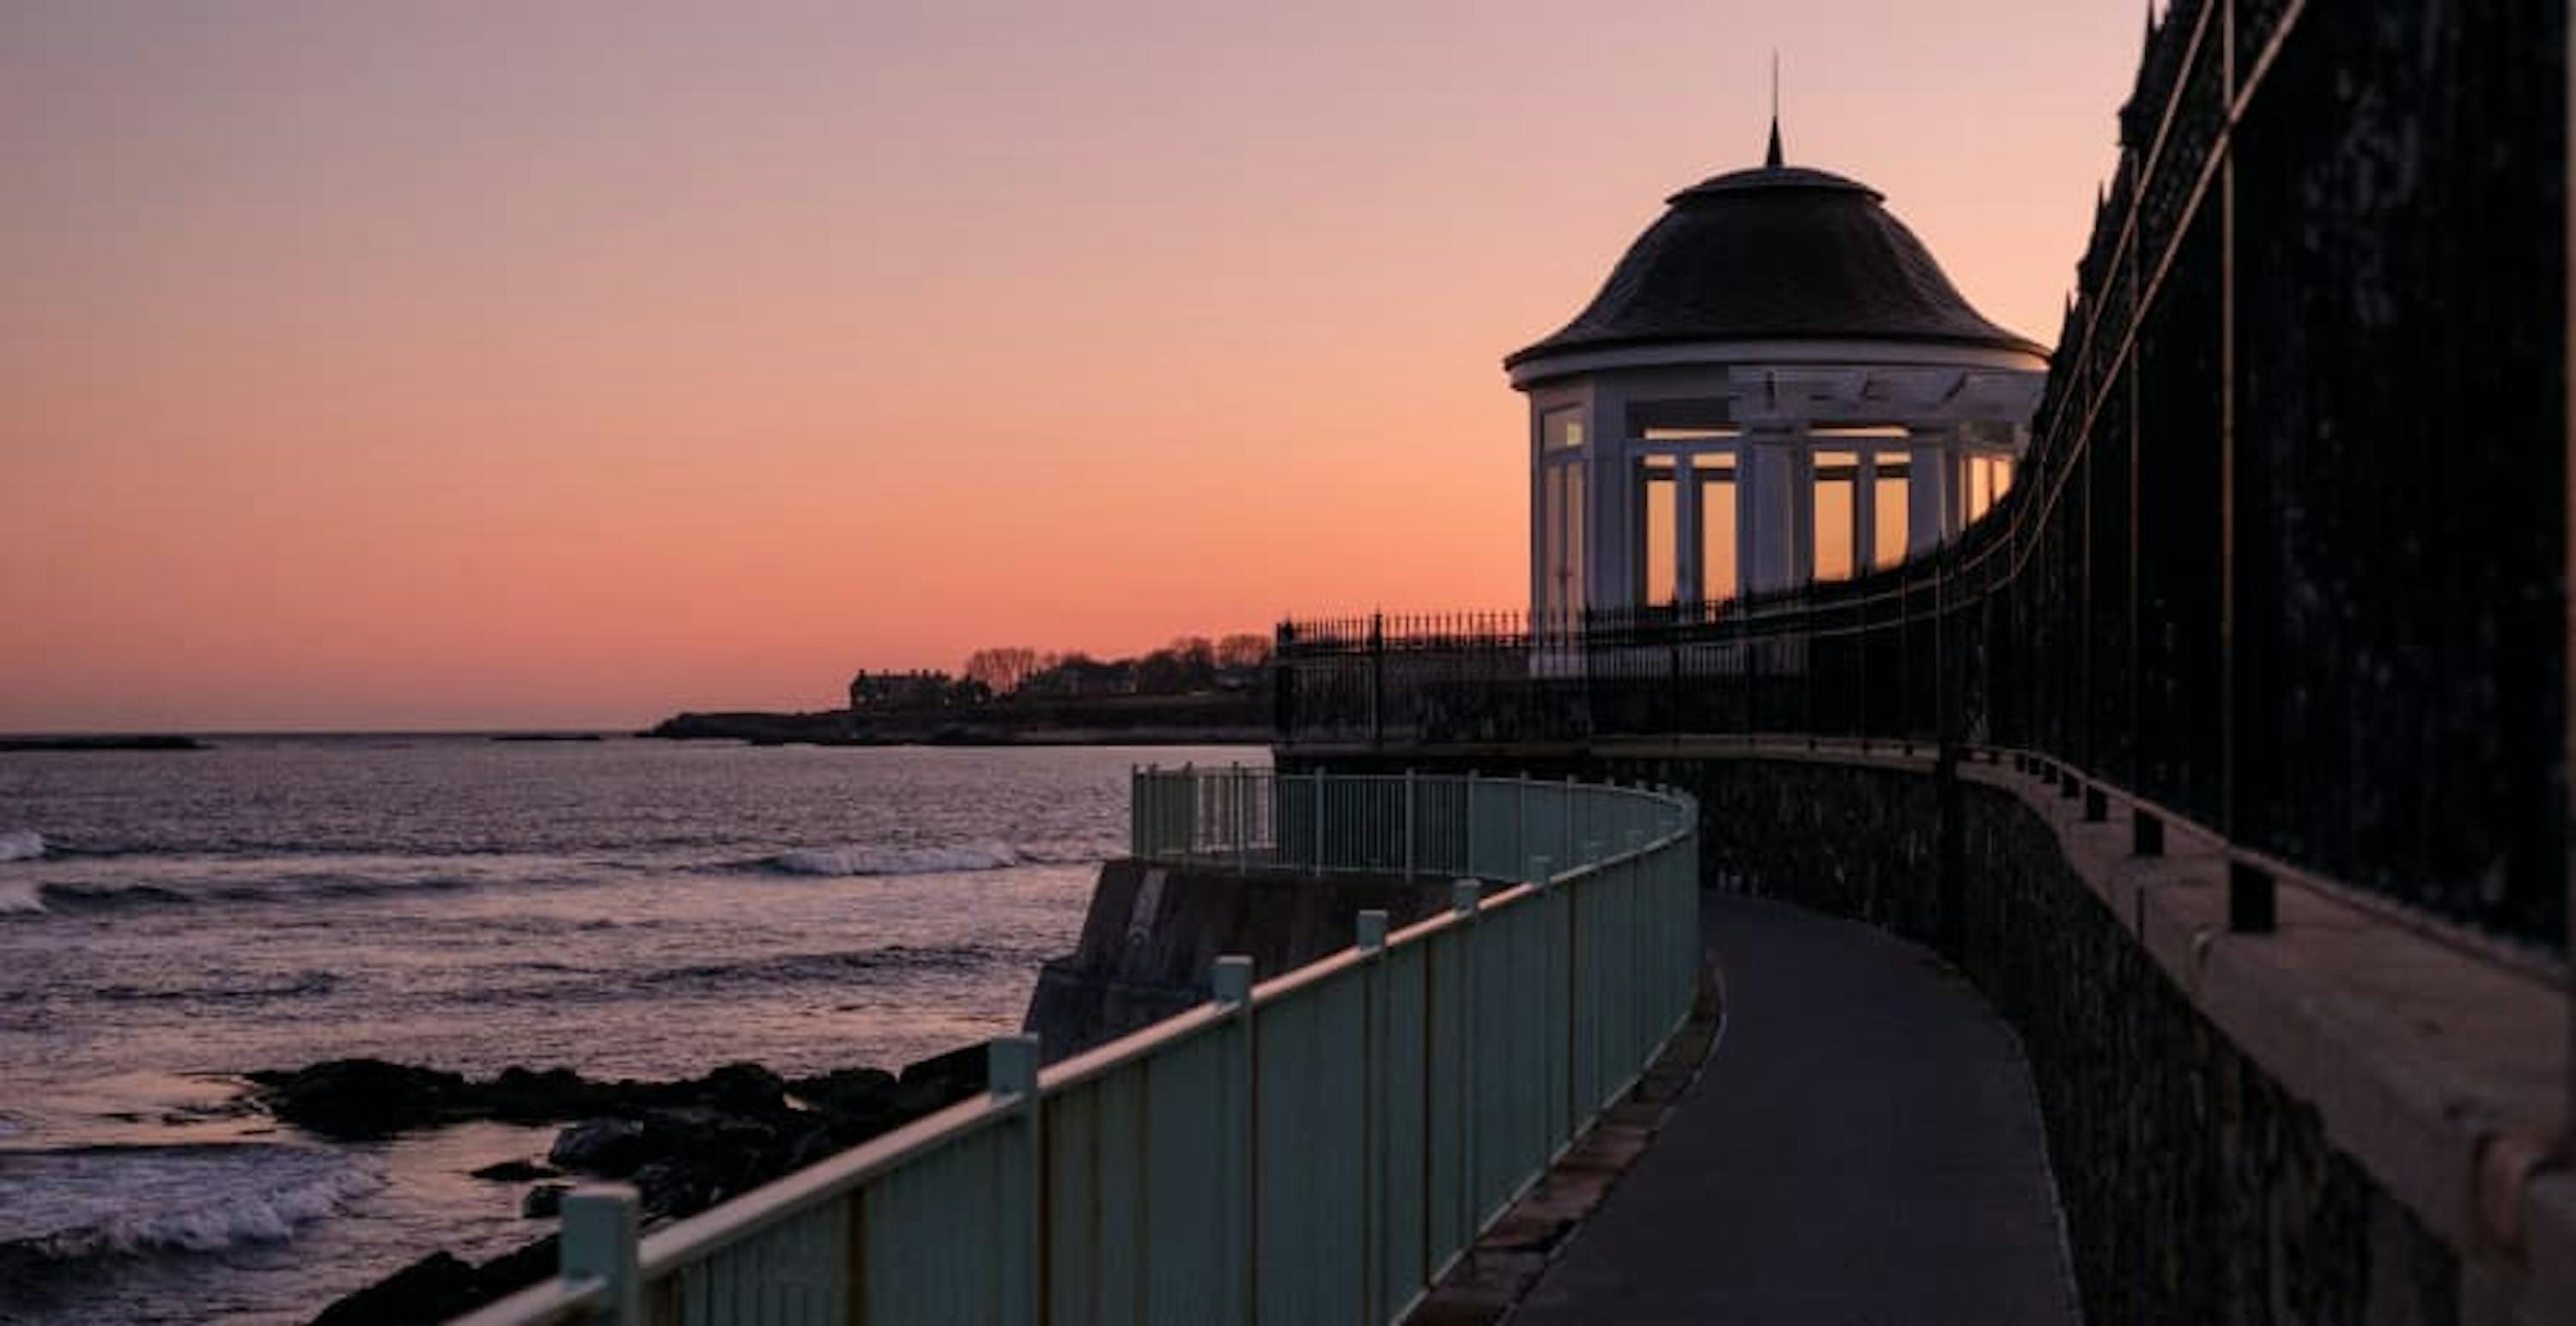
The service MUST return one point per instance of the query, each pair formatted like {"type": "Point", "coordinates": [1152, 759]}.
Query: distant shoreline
{"type": "Point", "coordinates": [152, 742]}
{"type": "Point", "coordinates": [1190, 720]}
{"type": "Point", "coordinates": [748, 729]}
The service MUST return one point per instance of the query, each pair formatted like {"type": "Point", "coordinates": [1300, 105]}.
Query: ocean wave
{"type": "Point", "coordinates": [66, 896]}
{"type": "Point", "coordinates": [951, 860]}
{"type": "Point", "coordinates": [97, 1201]}
{"type": "Point", "coordinates": [20, 897]}
{"type": "Point", "coordinates": [105, 897]}
{"type": "Point", "coordinates": [21, 845]}
{"type": "Point", "coordinates": [300, 985]}
{"type": "Point", "coordinates": [803, 968]}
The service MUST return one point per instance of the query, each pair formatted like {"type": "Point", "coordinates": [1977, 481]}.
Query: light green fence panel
{"type": "Point", "coordinates": [795, 1273]}
{"type": "Point", "coordinates": [1318, 1150]}
{"type": "Point", "coordinates": [943, 1241]}
{"type": "Point", "coordinates": [1314, 1153]}
{"type": "Point", "coordinates": [1404, 1113]}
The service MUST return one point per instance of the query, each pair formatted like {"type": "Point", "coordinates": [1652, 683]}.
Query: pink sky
{"type": "Point", "coordinates": [505, 364]}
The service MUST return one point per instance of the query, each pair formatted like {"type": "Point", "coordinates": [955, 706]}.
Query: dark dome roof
{"type": "Point", "coordinates": [1776, 253]}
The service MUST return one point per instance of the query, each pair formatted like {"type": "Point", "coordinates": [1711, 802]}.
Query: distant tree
{"type": "Point", "coordinates": [1002, 671]}
{"type": "Point", "coordinates": [1242, 651]}
{"type": "Point", "coordinates": [1186, 665]}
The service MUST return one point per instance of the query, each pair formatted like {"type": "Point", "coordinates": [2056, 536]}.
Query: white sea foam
{"type": "Point", "coordinates": [251, 1218]}
{"type": "Point", "coordinates": [194, 1199]}
{"type": "Point", "coordinates": [21, 845]}
{"type": "Point", "coordinates": [896, 860]}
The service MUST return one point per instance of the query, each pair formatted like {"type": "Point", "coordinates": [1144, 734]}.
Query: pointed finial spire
{"type": "Point", "coordinates": [1772, 159]}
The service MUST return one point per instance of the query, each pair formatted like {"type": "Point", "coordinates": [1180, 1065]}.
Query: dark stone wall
{"type": "Point", "coordinates": [1152, 935]}
{"type": "Point", "coordinates": [2195, 1189]}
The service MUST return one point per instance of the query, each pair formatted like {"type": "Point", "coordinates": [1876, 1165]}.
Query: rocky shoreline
{"type": "Point", "coordinates": [685, 1146]}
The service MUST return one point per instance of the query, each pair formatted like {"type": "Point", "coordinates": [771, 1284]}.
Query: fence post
{"type": "Point", "coordinates": [599, 1225]}
{"type": "Point", "coordinates": [1465, 896]}
{"type": "Point", "coordinates": [1318, 777]}
{"type": "Point", "coordinates": [1409, 789]}
{"type": "Point", "coordinates": [1011, 1075]}
{"type": "Point", "coordinates": [1369, 937]}
{"type": "Point", "coordinates": [1568, 842]}
{"type": "Point", "coordinates": [1236, 783]}
{"type": "Point", "coordinates": [1469, 833]}
{"type": "Point", "coordinates": [1240, 1127]}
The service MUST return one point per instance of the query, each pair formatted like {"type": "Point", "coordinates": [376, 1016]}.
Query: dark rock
{"type": "Point", "coordinates": [360, 1098]}
{"type": "Point", "coordinates": [520, 1095]}
{"type": "Point", "coordinates": [685, 1146]}
{"type": "Point", "coordinates": [812, 1145]}
{"type": "Point", "coordinates": [433, 1289]}
{"type": "Point", "coordinates": [674, 1187]}
{"type": "Point", "coordinates": [846, 1090]}
{"type": "Point", "coordinates": [516, 1270]}
{"type": "Point", "coordinates": [609, 1148]}
{"type": "Point", "coordinates": [516, 1171]}
{"type": "Point", "coordinates": [743, 1088]}
{"type": "Point", "coordinates": [960, 1071]}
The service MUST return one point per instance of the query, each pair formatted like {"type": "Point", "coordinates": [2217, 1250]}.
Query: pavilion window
{"type": "Point", "coordinates": [1836, 542]}
{"type": "Point", "coordinates": [1718, 580]}
{"type": "Point", "coordinates": [1560, 513]}
{"type": "Point", "coordinates": [1989, 478]}
{"type": "Point", "coordinates": [1659, 530]}
{"type": "Point", "coordinates": [1891, 477]}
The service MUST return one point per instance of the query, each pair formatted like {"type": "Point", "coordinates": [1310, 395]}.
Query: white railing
{"type": "Point", "coordinates": [1248, 818]}
{"type": "Point", "coordinates": [1315, 1149]}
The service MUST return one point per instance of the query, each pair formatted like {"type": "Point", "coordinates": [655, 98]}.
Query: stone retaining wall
{"type": "Point", "coordinates": [2196, 1188]}
{"type": "Point", "coordinates": [1152, 934]}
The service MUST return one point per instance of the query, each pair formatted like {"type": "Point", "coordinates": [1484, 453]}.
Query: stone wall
{"type": "Point", "coordinates": [1152, 934]}
{"type": "Point", "coordinates": [2196, 1190]}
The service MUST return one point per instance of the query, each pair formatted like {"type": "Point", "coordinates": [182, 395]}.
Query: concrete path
{"type": "Point", "coordinates": [1863, 1147]}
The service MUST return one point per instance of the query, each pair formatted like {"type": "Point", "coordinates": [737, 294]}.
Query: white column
{"type": "Point", "coordinates": [1927, 493]}
{"type": "Point", "coordinates": [1686, 586]}
{"type": "Point", "coordinates": [1610, 572]}
{"type": "Point", "coordinates": [1767, 479]}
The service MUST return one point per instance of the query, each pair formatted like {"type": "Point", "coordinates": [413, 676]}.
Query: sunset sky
{"type": "Point", "coordinates": [374, 365]}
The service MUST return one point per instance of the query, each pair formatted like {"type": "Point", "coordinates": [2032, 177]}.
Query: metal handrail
{"type": "Point", "coordinates": [1502, 1074]}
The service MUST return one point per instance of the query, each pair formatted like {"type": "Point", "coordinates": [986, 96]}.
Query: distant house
{"type": "Point", "coordinates": [901, 692]}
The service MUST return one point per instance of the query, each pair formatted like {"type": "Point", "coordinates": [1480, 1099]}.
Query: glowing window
{"type": "Point", "coordinates": [1661, 552]}
{"type": "Point", "coordinates": [1834, 533]}
{"type": "Point", "coordinates": [1717, 537]}
{"type": "Point", "coordinates": [1890, 474]}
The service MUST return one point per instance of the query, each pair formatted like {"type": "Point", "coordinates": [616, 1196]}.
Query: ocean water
{"type": "Point", "coordinates": [171, 920]}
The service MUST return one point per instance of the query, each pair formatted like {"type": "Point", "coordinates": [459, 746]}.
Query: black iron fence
{"type": "Point", "coordinates": [2289, 554]}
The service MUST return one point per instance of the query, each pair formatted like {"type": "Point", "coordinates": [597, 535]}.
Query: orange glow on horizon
{"type": "Point", "coordinates": [412, 367]}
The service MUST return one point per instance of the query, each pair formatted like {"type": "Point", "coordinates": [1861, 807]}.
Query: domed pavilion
{"type": "Point", "coordinates": [1777, 385]}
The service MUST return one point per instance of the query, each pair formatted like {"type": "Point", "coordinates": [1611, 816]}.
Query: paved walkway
{"type": "Point", "coordinates": [1863, 1147]}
